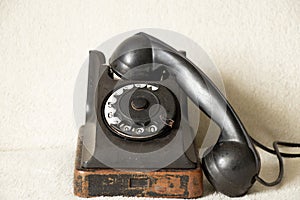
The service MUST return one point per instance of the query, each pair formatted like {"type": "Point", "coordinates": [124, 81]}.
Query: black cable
{"type": "Point", "coordinates": [286, 144]}
{"type": "Point", "coordinates": [279, 155]}
{"type": "Point", "coordinates": [281, 170]}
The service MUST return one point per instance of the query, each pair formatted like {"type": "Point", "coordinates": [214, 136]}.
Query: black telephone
{"type": "Point", "coordinates": [232, 165]}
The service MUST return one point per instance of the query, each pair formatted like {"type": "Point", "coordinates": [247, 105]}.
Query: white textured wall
{"type": "Point", "coordinates": [254, 43]}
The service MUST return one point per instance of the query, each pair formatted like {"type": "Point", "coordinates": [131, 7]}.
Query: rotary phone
{"type": "Point", "coordinates": [137, 140]}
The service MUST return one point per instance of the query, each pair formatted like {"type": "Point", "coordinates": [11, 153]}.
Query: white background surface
{"type": "Point", "coordinates": [255, 44]}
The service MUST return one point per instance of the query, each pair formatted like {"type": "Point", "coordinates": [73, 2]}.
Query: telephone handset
{"type": "Point", "coordinates": [232, 165]}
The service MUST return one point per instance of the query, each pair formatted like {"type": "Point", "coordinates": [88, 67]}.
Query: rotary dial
{"type": "Point", "coordinates": [140, 111]}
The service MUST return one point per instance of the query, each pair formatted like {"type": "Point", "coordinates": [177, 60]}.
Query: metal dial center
{"type": "Point", "coordinates": [139, 103]}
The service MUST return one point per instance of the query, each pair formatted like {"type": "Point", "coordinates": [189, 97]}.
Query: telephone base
{"type": "Point", "coordinates": [167, 183]}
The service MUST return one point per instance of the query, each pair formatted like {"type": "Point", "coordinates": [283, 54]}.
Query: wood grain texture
{"type": "Point", "coordinates": [175, 184]}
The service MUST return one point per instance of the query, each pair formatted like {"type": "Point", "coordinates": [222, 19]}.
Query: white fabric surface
{"type": "Point", "coordinates": [255, 44]}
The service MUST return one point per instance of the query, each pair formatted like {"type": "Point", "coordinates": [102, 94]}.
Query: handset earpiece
{"type": "Point", "coordinates": [233, 163]}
